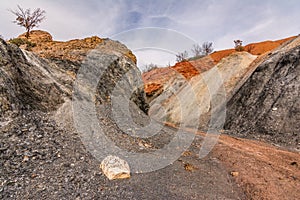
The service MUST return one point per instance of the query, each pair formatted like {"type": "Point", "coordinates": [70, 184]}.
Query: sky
{"type": "Point", "coordinates": [156, 30]}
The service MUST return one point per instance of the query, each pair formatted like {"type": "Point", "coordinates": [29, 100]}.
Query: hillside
{"type": "Point", "coordinates": [179, 105]}
{"type": "Point", "coordinates": [73, 50]}
{"type": "Point", "coordinates": [267, 104]}
{"type": "Point", "coordinates": [67, 106]}
{"type": "Point", "coordinates": [258, 48]}
{"type": "Point", "coordinates": [42, 154]}
{"type": "Point", "coordinates": [157, 78]}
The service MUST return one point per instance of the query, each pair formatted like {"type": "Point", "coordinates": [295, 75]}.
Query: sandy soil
{"type": "Point", "coordinates": [264, 171]}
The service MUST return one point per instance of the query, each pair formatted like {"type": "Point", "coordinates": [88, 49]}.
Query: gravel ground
{"type": "Point", "coordinates": [39, 160]}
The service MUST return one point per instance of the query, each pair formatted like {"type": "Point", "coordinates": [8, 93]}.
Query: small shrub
{"type": "Point", "coordinates": [238, 45]}
{"type": "Point", "coordinates": [20, 41]}
{"type": "Point", "coordinates": [239, 48]}
{"type": "Point", "coordinates": [204, 50]}
{"type": "Point", "coordinates": [17, 41]}
{"type": "Point", "coordinates": [30, 45]}
{"type": "Point", "coordinates": [207, 48]}
{"type": "Point", "coordinates": [149, 67]}
{"type": "Point", "coordinates": [182, 56]}
{"type": "Point", "coordinates": [197, 50]}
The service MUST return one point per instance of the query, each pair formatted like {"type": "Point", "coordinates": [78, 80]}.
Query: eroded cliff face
{"type": "Point", "coordinates": [191, 102]}
{"type": "Point", "coordinates": [29, 82]}
{"type": "Point", "coordinates": [268, 102]}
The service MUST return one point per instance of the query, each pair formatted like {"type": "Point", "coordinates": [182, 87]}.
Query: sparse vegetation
{"type": "Point", "coordinates": [203, 50]}
{"type": "Point", "coordinates": [148, 68]}
{"type": "Point", "coordinates": [238, 45]}
{"type": "Point", "coordinates": [20, 41]}
{"type": "Point", "coordinates": [182, 56]}
{"type": "Point", "coordinates": [207, 48]}
{"type": "Point", "coordinates": [27, 19]}
{"type": "Point", "coordinates": [197, 50]}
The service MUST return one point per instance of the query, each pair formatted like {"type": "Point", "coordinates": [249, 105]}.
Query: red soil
{"type": "Point", "coordinates": [253, 48]}
{"type": "Point", "coordinates": [155, 79]}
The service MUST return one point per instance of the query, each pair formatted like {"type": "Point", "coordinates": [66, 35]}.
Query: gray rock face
{"type": "Point", "coordinates": [268, 103]}
{"type": "Point", "coordinates": [28, 82]}
{"type": "Point", "coordinates": [118, 67]}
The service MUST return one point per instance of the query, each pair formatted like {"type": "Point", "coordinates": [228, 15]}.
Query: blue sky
{"type": "Point", "coordinates": [220, 22]}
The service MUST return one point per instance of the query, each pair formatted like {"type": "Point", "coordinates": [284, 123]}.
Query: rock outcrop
{"type": "Point", "coordinates": [268, 102]}
{"type": "Point", "coordinates": [29, 82]}
{"type": "Point", "coordinates": [156, 79]}
{"type": "Point", "coordinates": [73, 50]}
{"type": "Point", "coordinates": [181, 100]}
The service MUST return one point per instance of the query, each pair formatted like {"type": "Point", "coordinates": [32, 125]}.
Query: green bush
{"type": "Point", "coordinates": [239, 48]}
{"type": "Point", "coordinates": [20, 41]}
{"type": "Point", "coordinates": [17, 41]}
{"type": "Point", "coordinates": [238, 45]}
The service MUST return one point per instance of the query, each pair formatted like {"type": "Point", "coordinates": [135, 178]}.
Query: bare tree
{"type": "Point", "coordinates": [207, 48]}
{"type": "Point", "coordinates": [182, 56]}
{"type": "Point", "coordinates": [27, 19]}
{"type": "Point", "coordinates": [197, 50]}
{"type": "Point", "coordinates": [149, 67]}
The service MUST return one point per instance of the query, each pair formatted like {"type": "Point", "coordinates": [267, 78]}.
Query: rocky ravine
{"type": "Point", "coordinates": [41, 160]}
{"type": "Point", "coordinates": [263, 95]}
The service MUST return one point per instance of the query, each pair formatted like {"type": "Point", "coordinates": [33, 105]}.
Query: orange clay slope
{"type": "Point", "coordinates": [155, 79]}
{"type": "Point", "coordinates": [253, 48]}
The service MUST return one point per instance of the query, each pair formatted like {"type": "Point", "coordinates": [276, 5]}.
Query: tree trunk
{"type": "Point", "coordinates": [27, 33]}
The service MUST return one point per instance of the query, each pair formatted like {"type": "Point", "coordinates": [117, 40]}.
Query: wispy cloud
{"type": "Point", "coordinates": [203, 20]}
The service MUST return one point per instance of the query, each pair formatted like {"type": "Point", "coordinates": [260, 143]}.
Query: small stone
{"type": "Point", "coordinates": [114, 167]}
{"type": "Point", "coordinates": [187, 153]}
{"type": "Point", "coordinates": [234, 173]}
{"type": "Point", "coordinates": [189, 167]}
{"type": "Point", "coordinates": [25, 159]}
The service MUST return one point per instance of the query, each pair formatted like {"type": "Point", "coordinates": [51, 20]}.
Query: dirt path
{"type": "Point", "coordinates": [265, 172]}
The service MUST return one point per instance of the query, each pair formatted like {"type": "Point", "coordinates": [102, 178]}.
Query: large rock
{"type": "Point", "coordinates": [115, 168]}
{"type": "Point", "coordinates": [268, 103]}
